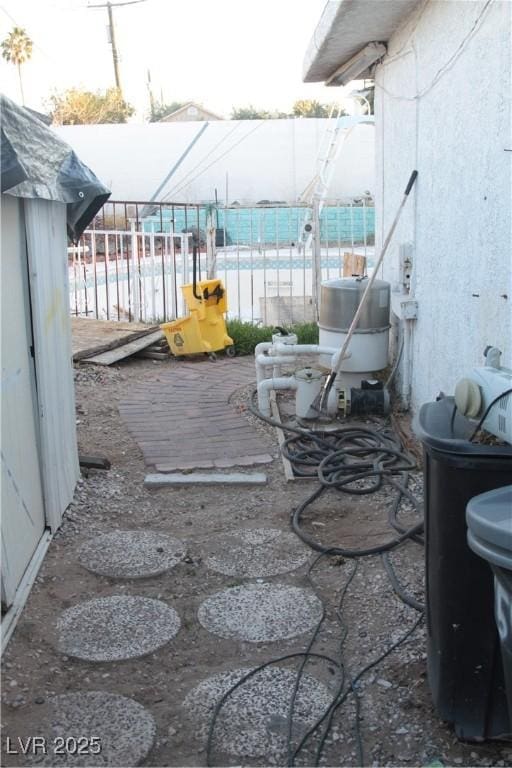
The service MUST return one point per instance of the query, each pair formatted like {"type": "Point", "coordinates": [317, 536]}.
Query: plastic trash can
{"type": "Point", "coordinates": [489, 519]}
{"type": "Point", "coordinates": [465, 669]}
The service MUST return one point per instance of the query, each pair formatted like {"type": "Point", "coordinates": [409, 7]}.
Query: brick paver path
{"type": "Point", "coordinates": [184, 420]}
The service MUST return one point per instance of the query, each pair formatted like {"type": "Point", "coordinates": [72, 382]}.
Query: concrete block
{"type": "Point", "coordinates": [201, 478]}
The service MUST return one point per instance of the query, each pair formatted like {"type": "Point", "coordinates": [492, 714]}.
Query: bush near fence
{"type": "Point", "coordinates": [246, 335]}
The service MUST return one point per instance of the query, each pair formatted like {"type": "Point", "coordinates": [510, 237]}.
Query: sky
{"type": "Point", "coordinates": [222, 53]}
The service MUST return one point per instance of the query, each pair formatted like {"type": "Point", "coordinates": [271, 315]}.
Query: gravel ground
{"type": "Point", "coordinates": [398, 724]}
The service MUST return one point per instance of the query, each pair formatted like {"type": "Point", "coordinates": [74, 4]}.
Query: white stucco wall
{"type": "Point", "coordinates": [264, 160]}
{"type": "Point", "coordinates": [454, 132]}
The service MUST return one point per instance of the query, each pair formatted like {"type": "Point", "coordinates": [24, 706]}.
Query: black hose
{"type": "Point", "coordinates": [398, 588]}
{"type": "Point", "coordinates": [352, 689]}
{"type": "Point", "coordinates": [340, 459]}
{"type": "Point", "coordinates": [349, 460]}
{"type": "Point", "coordinates": [243, 680]}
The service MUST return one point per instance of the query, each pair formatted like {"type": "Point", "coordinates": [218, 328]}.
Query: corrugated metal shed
{"type": "Point", "coordinates": [47, 193]}
{"type": "Point", "coordinates": [46, 237]}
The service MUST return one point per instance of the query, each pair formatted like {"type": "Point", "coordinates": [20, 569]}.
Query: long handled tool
{"type": "Point", "coordinates": [321, 403]}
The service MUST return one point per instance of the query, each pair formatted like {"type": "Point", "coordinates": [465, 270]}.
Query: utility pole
{"type": "Point", "coordinates": [115, 54]}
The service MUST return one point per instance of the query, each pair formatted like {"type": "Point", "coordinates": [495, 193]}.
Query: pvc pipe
{"type": "Point", "coordinates": [262, 361]}
{"type": "Point", "coordinates": [278, 360]}
{"type": "Point", "coordinates": [262, 347]}
{"type": "Point", "coordinates": [304, 349]}
{"type": "Point", "coordinates": [267, 385]}
{"type": "Point", "coordinates": [259, 349]}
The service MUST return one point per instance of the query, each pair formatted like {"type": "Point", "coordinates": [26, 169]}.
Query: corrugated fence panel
{"type": "Point", "coordinates": [47, 249]}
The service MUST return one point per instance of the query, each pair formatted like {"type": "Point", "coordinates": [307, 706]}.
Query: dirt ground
{"type": "Point", "coordinates": [398, 724]}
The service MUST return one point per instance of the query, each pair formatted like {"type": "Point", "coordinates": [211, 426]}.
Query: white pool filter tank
{"type": "Point", "coordinates": [309, 384]}
{"type": "Point", "coordinates": [339, 300]}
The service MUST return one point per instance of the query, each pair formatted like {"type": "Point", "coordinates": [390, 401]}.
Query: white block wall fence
{"type": "Point", "coordinates": [256, 160]}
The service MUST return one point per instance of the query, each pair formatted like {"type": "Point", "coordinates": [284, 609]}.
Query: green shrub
{"type": "Point", "coordinates": [307, 333]}
{"type": "Point", "coordinates": [246, 335]}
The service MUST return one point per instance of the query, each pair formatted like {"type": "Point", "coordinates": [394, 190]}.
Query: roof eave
{"type": "Point", "coordinates": [345, 29]}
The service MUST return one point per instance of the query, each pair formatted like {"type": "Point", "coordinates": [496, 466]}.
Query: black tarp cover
{"type": "Point", "coordinates": [36, 163]}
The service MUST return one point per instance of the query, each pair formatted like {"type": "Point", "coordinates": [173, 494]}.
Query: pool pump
{"type": "Point", "coordinates": [356, 391]}
{"type": "Point", "coordinates": [486, 395]}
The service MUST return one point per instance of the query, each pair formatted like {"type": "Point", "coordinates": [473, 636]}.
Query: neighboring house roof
{"type": "Point", "coordinates": [209, 115]}
{"type": "Point", "coordinates": [36, 163]}
{"type": "Point", "coordinates": [346, 27]}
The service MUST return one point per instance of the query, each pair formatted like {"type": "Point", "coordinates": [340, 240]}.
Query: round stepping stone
{"type": "Point", "coordinates": [108, 729]}
{"type": "Point", "coordinates": [256, 552]}
{"type": "Point", "coordinates": [116, 628]}
{"type": "Point", "coordinates": [260, 612]}
{"type": "Point", "coordinates": [131, 554]}
{"type": "Point", "coordinates": [252, 723]}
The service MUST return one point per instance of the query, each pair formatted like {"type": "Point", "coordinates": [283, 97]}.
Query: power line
{"type": "Point", "coordinates": [448, 63]}
{"type": "Point", "coordinates": [183, 181]}
{"type": "Point", "coordinates": [223, 155]}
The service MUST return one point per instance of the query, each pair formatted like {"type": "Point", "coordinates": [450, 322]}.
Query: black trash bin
{"type": "Point", "coordinates": [489, 519]}
{"type": "Point", "coordinates": [465, 669]}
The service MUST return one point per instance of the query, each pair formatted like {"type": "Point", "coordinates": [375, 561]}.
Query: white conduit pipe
{"type": "Point", "coordinates": [267, 385]}
{"type": "Point", "coordinates": [405, 384]}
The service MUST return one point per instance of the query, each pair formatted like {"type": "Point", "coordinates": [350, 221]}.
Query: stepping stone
{"type": "Point", "coordinates": [109, 730]}
{"type": "Point", "coordinates": [255, 552]}
{"type": "Point", "coordinates": [131, 554]}
{"type": "Point", "coordinates": [259, 613]}
{"type": "Point", "coordinates": [116, 628]}
{"type": "Point", "coordinates": [252, 723]}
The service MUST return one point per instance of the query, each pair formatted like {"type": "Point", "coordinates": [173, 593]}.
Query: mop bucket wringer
{"type": "Point", "coordinates": [203, 331]}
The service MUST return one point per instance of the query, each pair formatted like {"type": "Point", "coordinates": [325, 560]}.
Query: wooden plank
{"type": "Point", "coordinates": [151, 355]}
{"type": "Point", "coordinates": [119, 353]}
{"type": "Point", "coordinates": [288, 469]}
{"type": "Point", "coordinates": [201, 478]}
{"type": "Point", "coordinates": [91, 337]}
{"type": "Point", "coordinates": [94, 462]}
{"type": "Point", "coordinates": [353, 264]}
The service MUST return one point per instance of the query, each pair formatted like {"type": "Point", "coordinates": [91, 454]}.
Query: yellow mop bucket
{"type": "Point", "coordinates": [204, 330]}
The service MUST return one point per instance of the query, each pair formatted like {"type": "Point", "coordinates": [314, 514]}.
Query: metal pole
{"type": "Point", "coordinates": [147, 208]}
{"type": "Point", "coordinates": [211, 254]}
{"type": "Point", "coordinates": [316, 259]}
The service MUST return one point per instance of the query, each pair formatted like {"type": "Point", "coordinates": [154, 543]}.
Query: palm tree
{"type": "Point", "coordinates": [17, 48]}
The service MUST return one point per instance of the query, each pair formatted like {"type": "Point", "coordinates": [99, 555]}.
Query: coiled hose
{"type": "Point", "coordinates": [357, 461]}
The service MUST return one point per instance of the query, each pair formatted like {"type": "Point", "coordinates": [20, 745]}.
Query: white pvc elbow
{"type": "Point", "coordinates": [266, 386]}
